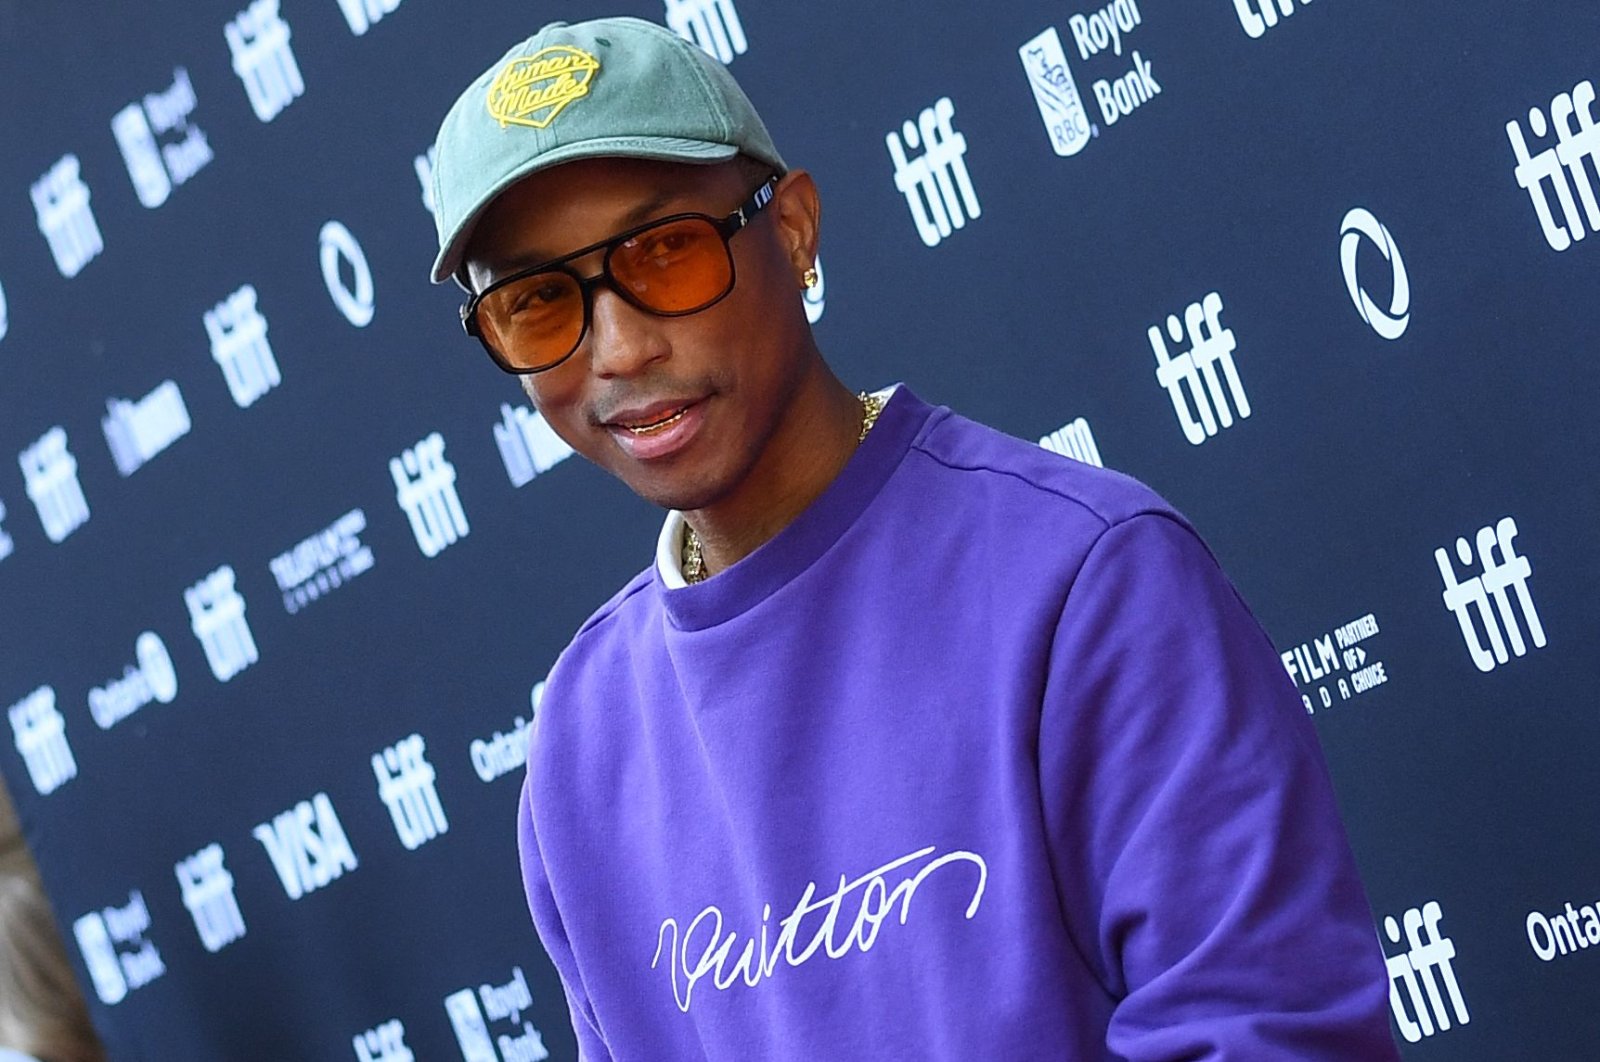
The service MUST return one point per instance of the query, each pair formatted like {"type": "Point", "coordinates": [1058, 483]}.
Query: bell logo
{"type": "Point", "coordinates": [532, 90]}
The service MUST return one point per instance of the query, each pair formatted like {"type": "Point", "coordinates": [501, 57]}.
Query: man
{"type": "Point", "coordinates": [916, 741]}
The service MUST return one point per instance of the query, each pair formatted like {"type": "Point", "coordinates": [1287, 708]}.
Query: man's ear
{"type": "Point", "coordinates": [798, 212]}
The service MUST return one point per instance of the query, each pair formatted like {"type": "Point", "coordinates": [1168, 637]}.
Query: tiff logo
{"type": "Point", "coordinates": [712, 25]}
{"type": "Point", "coordinates": [1509, 572]}
{"type": "Point", "coordinates": [361, 14]}
{"type": "Point", "coordinates": [307, 846]}
{"type": "Point", "coordinates": [405, 785]}
{"type": "Point", "coordinates": [61, 205]}
{"type": "Point", "coordinates": [1209, 359]}
{"type": "Point", "coordinates": [528, 444]}
{"type": "Point", "coordinates": [216, 615]}
{"type": "Point", "coordinates": [258, 37]}
{"type": "Point", "coordinates": [936, 184]}
{"type": "Point", "coordinates": [207, 889]}
{"type": "Point", "coordinates": [1561, 164]}
{"type": "Point", "coordinates": [50, 475]}
{"type": "Point", "coordinates": [425, 487]}
{"type": "Point", "coordinates": [137, 431]}
{"type": "Point", "coordinates": [1256, 24]}
{"type": "Point", "coordinates": [155, 168]}
{"type": "Point", "coordinates": [423, 164]}
{"type": "Point", "coordinates": [41, 735]}
{"type": "Point", "coordinates": [385, 1043]}
{"type": "Point", "coordinates": [239, 346]}
{"type": "Point", "coordinates": [1076, 441]}
{"type": "Point", "coordinates": [1420, 969]}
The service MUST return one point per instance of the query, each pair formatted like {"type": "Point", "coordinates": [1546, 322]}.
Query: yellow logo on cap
{"type": "Point", "coordinates": [534, 89]}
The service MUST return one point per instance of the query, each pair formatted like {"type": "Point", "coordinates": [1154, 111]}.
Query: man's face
{"type": "Point", "coordinates": [679, 408]}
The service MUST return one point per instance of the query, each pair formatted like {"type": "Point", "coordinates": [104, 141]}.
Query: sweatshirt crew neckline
{"type": "Point", "coordinates": [791, 551]}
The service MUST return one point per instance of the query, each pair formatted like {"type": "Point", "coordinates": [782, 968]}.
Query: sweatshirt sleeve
{"type": "Point", "coordinates": [1201, 865]}
{"type": "Point", "coordinates": [547, 921]}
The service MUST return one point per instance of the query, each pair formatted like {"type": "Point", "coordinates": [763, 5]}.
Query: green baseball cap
{"type": "Point", "coordinates": [613, 87]}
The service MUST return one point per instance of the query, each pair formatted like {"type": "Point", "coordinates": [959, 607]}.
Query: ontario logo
{"type": "Point", "coordinates": [534, 89]}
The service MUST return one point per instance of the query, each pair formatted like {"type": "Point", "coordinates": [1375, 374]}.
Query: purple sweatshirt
{"type": "Point", "coordinates": [981, 757]}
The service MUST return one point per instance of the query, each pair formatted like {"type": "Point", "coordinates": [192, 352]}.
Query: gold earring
{"type": "Point", "coordinates": [809, 279]}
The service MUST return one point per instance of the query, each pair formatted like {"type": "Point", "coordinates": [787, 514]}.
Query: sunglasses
{"type": "Point", "coordinates": [535, 319]}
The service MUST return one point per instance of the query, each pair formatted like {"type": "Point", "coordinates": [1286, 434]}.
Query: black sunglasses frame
{"type": "Point", "coordinates": [725, 227]}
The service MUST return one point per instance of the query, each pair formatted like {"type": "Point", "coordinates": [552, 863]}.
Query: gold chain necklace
{"type": "Point", "coordinates": [694, 561]}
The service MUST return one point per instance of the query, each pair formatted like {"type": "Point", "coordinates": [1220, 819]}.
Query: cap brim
{"type": "Point", "coordinates": [659, 148]}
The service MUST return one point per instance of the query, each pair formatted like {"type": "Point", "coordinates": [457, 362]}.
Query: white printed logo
{"type": "Point", "coordinates": [1060, 106]}
{"type": "Point", "coordinates": [936, 184]}
{"type": "Point", "coordinates": [322, 563]}
{"type": "Point", "coordinates": [423, 164]}
{"type": "Point", "coordinates": [5, 322]}
{"type": "Point", "coordinates": [117, 972]}
{"type": "Point", "coordinates": [361, 14]}
{"type": "Point", "coordinates": [41, 735]}
{"type": "Point", "coordinates": [815, 297]}
{"type": "Point", "coordinates": [216, 615]}
{"type": "Point", "coordinates": [425, 487]}
{"type": "Point", "coordinates": [1076, 441]}
{"type": "Point", "coordinates": [1103, 29]}
{"type": "Point", "coordinates": [153, 678]}
{"type": "Point", "coordinates": [1211, 349]}
{"type": "Point", "coordinates": [137, 431]}
{"type": "Point", "coordinates": [1463, 598]}
{"type": "Point", "coordinates": [500, 1003]}
{"type": "Point", "coordinates": [1390, 323]}
{"type": "Point", "coordinates": [6, 542]}
{"type": "Point", "coordinates": [335, 245]}
{"type": "Point", "coordinates": [1572, 147]}
{"type": "Point", "coordinates": [1563, 934]}
{"type": "Point", "coordinates": [156, 168]}
{"type": "Point", "coordinates": [528, 445]}
{"type": "Point", "coordinates": [50, 475]}
{"type": "Point", "coordinates": [258, 37]}
{"type": "Point", "coordinates": [1428, 953]}
{"type": "Point", "coordinates": [1256, 24]}
{"type": "Point", "coordinates": [1310, 663]}
{"type": "Point", "coordinates": [712, 25]}
{"type": "Point", "coordinates": [385, 1043]}
{"type": "Point", "coordinates": [406, 787]}
{"type": "Point", "coordinates": [307, 846]}
{"type": "Point", "coordinates": [502, 753]}
{"type": "Point", "coordinates": [239, 346]}
{"type": "Point", "coordinates": [207, 889]}
{"type": "Point", "coordinates": [61, 204]}
{"type": "Point", "coordinates": [876, 903]}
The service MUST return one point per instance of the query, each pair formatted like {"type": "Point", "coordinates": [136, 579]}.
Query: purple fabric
{"type": "Point", "coordinates": [981, 757]}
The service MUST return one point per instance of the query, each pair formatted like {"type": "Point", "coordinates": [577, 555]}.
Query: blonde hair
{"type": "Point", "coordinates": [42, 1011]}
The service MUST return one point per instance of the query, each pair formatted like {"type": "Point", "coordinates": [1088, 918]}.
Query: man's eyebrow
{"type": "Point", "coordinates": [639, 213]}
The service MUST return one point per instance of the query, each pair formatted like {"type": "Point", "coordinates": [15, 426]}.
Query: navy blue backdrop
{"type": "Point", "coordinates": [283, 558]}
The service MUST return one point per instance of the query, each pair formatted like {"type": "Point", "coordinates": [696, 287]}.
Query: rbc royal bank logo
{"type": "Point", "coordinates": [156, 168]}
{"type": "Point", "coordinates": [536, 88]}
{"type": "Point", "coordinates": [115, 948]}
{"type": "Point", "coordinates": [936, 184]}
{"type": "Point", "coordinates": [499, 1003]}
{"type": "Point", "coordinates": [1423, 969]}
{"type": "Point", "coordinates": [1389, 323]}
{"type": "Point", "coordinates": [1060, 106]}
{"type": "Point", "coordinates": [1470, 597]}
{"type": "Point", "coordinates": [1561, 165]}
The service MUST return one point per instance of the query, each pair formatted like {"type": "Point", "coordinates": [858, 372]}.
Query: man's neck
{"type": "Point", "coordinates": [819, 432]}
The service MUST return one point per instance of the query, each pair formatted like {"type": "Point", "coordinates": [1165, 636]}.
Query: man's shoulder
{"type": "Point", "coordinates": [982, 459]}
{"type": "Point", "coordinates": [634, 596]}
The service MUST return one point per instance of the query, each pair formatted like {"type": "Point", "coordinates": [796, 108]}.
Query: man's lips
{"type": "Point", "coordinates": [649, 417]}
{"type": "Point", "coordinates": [657, 430]}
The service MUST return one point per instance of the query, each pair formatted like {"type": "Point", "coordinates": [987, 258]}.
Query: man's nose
{"type": "Point", "coordinates": [623, 339]}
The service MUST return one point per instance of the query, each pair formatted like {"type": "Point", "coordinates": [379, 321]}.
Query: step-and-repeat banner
{"type": "Point", "coordinates": [283, 557]}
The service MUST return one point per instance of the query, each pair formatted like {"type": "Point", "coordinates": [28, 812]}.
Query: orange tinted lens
{"type": "Point", "coordinates": [533, 321]}
{"type": "Point", "coordinates": [677, 267]}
